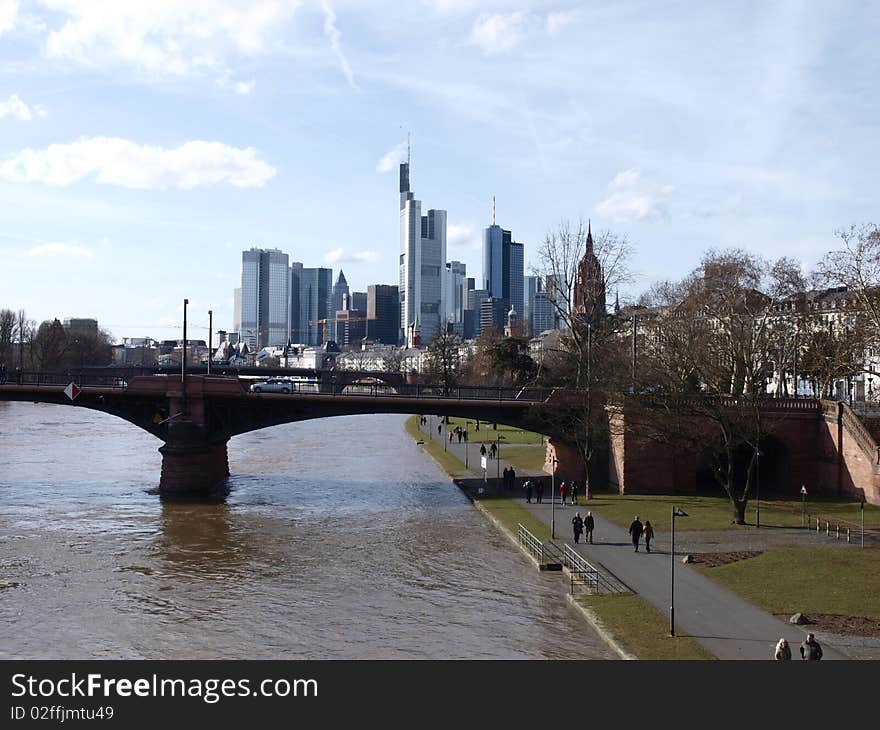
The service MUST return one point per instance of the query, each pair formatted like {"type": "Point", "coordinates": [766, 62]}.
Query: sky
{"type": "Point", "coordinates": [145, 143]}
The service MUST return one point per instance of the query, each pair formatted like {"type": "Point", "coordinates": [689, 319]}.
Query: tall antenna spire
{"type": "Point", "coordinates": [493, 210]}
{"type": "Point", "coordinates": [408, 149]}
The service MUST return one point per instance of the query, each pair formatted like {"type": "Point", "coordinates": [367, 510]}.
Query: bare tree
{"type": "Point", "coordinates": [443, 358]}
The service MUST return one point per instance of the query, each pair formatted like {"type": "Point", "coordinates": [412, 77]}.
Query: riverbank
{"type": "Point", "coordinates": [630, 626]}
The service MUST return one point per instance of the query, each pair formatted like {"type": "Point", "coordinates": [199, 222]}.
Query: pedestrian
{"type": "Point", "coordinates": [465, 436]}
{"type": "Point", "coordinates": [783, 650]}
{"type": "Point", "coordinates": [577, 525]}
{"type": "Point", "coordinates": [439, 429]}
{"type": "Point", "coordinates": [512, 478]}
{"type": "Point", "coordinates": [574, 486]}
{"type": "Point", "coordinates": [493, 449]}
{"type": "Point", "coordinates": [460, 432]}
{"type": "Point", "coordinates": [482, 449]}
{"type": "Point", "coordinates": [810, 649]}
{"type": "Point", "coordinates": [563, 490]}
{"type": "Point", "coordinates": [528, 486]}
{"type": "Point", "coordinates": [2, 373]}
{"type": "Point", "coordinates": [635, 531]}
{"type": "Point", "coordinates": [589, 523]}
{"type": "Point", "coordinates": [539, 487]}
{"type": "Point", "coordinates": [505, 478]}
{"type": "Point", "coordinates": [649, 535]}
{"type": "Point", "coordinates": [451, 436]}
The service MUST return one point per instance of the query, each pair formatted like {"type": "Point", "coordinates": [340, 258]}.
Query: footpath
{"type": "Point", "coordinates": [725, 624]}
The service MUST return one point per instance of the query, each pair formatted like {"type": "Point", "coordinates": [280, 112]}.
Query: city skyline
{"type": "Point", "coordinates": [140, 158]}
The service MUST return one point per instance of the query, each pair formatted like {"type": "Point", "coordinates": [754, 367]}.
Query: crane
{"type": "Point", "coordinates": [323, 323]}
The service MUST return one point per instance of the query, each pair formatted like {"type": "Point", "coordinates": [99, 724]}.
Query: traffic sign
{"type": "Point", "coordinates": [72, 391]}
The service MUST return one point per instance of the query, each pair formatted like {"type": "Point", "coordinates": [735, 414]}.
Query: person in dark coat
{"type": "Point", "coordinates": [635, 530]}
{"type": "Point", "coordinates": [574, 493]}
{"type": "Point", "coordinates": [577, 525]}
{"type": "Point", "coordinates": [512, 478]}
{"type": "Point", "coordinates": [540, 491]}
{"type": "Point", "coordinates": [482, 449]}
{"type": "Point", "coordinates": [528, 486]}
{"type": "Point", "coordinates": [649, 535]}
{"type": "Point", "coordinates": [589, 523]}
{"type": "Point", "coordinates": [810, 649]}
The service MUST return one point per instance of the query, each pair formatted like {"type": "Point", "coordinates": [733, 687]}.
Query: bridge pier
{"type": "Point", "coordinates": [192, 467]}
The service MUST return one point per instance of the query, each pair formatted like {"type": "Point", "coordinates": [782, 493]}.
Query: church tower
{"type": "Point", "coordinates": [589, 287]}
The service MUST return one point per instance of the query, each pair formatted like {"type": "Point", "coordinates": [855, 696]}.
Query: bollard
{"type": "Point", "coordinates": [817, 524]}
{"type": "Point", "coordinates": [827, 529]}
{"type": "Point", "coordinates": [837, 536]}
{"type": "Point", "coordinates": [848, 535]}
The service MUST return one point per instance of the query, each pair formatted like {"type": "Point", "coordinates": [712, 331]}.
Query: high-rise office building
{"type": "Point", "coordinates": [383, 314]}
{"type": "Point", "coordinates": [421, 264]}
{"type": "Point", "coordinates": [315, 298]}
{"type": "Point", "coordinates": [236, 310]}
{"type": "Point", "coordinates": [503, 266]}
{"type": "Point", "coordinates": [265, 298]}
{"type": "Point", "coordinates": [493, 312]}
{"type": "Point", "coordinates": [297, 334]}
{"type": "Point", "coordinates": [542, 315]}
{"type": "Point", "coordinates": [359, 300]}
{"type": "Point", "coordinates": [455, 296]}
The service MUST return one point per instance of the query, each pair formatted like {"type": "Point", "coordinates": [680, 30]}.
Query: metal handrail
{"type": "Point", "coordinates": [583, 572]}
{"type": "Point", "coordinates": [530, 543]}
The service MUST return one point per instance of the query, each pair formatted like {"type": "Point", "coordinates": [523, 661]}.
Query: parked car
{"type": "Point", "coordinates": [272, 385]}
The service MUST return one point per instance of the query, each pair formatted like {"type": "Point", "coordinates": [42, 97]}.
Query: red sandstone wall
{"type": "Point", "coordinates": [857, 475]}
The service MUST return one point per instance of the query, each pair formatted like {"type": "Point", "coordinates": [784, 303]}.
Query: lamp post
{"type": "Point", "coordinates": [862, 511]}
{"type": "Point", "coordinates": [676, 512]}
{"type": "Point", "coordinates": [498, 456]}
{"type": "Point", "coordinates": [183, 360]}
{"type": "Point", "coordinates": [466, 424]}
{"type": "Point", "coordinates": [758, 456]}
{"type": "Point", "coordinates": [803, 506]}
{"type": "Point", "coordinates": [553, 499]}
{"type": "Point", "coordinates": [210, 337]}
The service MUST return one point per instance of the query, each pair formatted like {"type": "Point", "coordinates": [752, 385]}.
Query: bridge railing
{"type": "Point", "coordinates": [33, 378]}
{"type": "Point", "coordinates": [426, 391]}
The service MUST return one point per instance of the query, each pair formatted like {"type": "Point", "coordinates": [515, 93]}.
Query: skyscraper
{"type": "Point", "coordinates": [503, 268]}
{"type": "Point", "coordinates": [265, 293]}
{"type": "Point", "coordinates": [421, 265]}
{"type": "Point", "coordinates": [315, 295]}
{"type": "Point", "coordinates": [455, 295]}
{"type": "Point", "coordinates": [383, 314]}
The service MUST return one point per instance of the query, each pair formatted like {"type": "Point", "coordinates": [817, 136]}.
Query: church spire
{"type": "Point", "coordinates": [589, 238]}
{"type": "Point", "coordinates": [617, 302]}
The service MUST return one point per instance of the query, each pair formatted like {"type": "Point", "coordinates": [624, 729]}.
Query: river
{"type": "Point", "coordinates": [340, 539]}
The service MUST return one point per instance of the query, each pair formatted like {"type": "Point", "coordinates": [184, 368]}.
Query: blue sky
{"type": "Point", "coordinates": [145, 143]}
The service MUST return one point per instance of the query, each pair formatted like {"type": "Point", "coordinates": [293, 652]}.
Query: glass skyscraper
{"type": "Point", "coordinates": [503, 269]}
{"type": "Point", "coordinates": [265, 297]}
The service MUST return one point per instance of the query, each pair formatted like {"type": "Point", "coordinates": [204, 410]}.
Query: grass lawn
{"type": "Point", "coordinates": [447, 461]}
{"type": "Point", "coordinates": [832, 580]}
{"type": "Point", "coordinates": [487, 433]}
{"type": "Point", "coordinates": [641, 629]}
{"type": "Point", "coordinates": [710, 512]}
{"type": "Point", "coordinates": [524, 456]}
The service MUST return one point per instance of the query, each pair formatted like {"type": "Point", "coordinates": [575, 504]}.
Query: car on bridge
{"type": "Point", "coordinates": [273, 385]}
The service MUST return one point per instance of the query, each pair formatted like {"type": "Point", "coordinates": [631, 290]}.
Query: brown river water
{"type": "Point", "coordinates": [340, 539]}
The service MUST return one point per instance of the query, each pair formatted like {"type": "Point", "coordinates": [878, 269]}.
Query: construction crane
{"type": "Point", "coordinates": [323, 323]}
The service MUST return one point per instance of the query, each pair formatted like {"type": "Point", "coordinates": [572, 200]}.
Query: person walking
{"type": "Point", "coordinates": [635, 531]}
{"type": "Point", "coordinates": [482, 449]}
{"type": "Point", "coordinates": [783, 651]}
{"type": "Point", "coordinates": [574, 491]}
{"type": "Point", "coordinates": [493, 450]}
{"type": "Point", "coordinates": [649, 535]}
{"type": "Point", "coordinates": [528, 486]}
{"type": "Point", "coordinates": [440, 429]}
{"type": "Point", "coordinates": [512, 478]}
{"type": "Point", "coordinates": [451, 436]}
{"type": "Point", "coordinates": [563, 490]}
{"type": "Point", "coordinates": [577, 525]}
{"type": "Point", "coordinates": [465, 436]}
{"type": "Point", "coordinates": [589, 523]}
{"type": "Point", "coordinates": [810, 649]}
{"type": "Point", "coordinates": [539, 487]}
{"type": "Point", "coordinates": [505, 478]}
{"type": "Point", "coordinates": [460, 433]}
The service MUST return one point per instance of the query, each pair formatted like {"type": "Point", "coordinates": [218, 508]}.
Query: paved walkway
{"type": "Point", "coordinates": [725, 624]}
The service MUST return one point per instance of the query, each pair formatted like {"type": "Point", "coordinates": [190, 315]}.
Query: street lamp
{"type": "Point", "coordinates": [676, 512]}
{"type": "Point", "coordinates": [466, 424]}
{"type": "Point", "coordinates": [553, 499]}
{"type": "Point", "coordinates": [210, 337]}
{"type": "Point", "coordinates": [803, 506]}
{"type": "Point", "coordinates": [862, 511]}
{"type": "Point", "coordinates": [498, 456]}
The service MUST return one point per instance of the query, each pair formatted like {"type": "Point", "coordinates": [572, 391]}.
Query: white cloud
{"type": "Point", "coordinates": [499, 32]}
{"type": "Point", "coordinates": [15, 107]}
{"type": "Point", "coordinates": [58, 249]}
{"type": "Point", "coordinates": [631, 199]}
{"type": "Point", "coordinates": [335, 37]}
{"type": "Point", "coordinates": [558, 20]}
{"type": "Point", "coordinates": [391, 158]}
{"type": "Point", "coordinates": [462, 235]}
{"type": "Point", "coordinates": [339, 256]}
{"type": "Point", "coordinates": [245, 87]}
{"type": "Point", "coordinates": [115, 161]}
{"type": "Point", "coordinates": [164, 37]}
{"type": "Point", "coordinates": [8, 14]}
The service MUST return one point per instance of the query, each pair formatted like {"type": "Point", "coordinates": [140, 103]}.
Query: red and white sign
{"type": "Point", "coordinates": [72, 391]}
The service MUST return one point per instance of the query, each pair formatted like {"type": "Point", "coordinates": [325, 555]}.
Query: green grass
{"type": "Point", "coordinates": [487, 433]}
{"type": "Point", "coordinates": [524, 456]}
{"type": "Point", "coordinates": [844, 582]}
{"type": "Point", "coordinates": [641, 629]}
{"type": "Point", "coordinates": [710, 512]}
{"type": "Point", "coordinates": [449, 463]}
